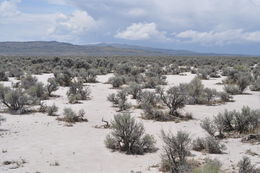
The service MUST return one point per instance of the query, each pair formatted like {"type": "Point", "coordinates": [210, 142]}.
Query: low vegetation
{"type": "Point", "coordinates": [129, 136]}
{"type": "Point", "coordinates": [70, 116]}
{"type": "Point", "coordinates": [231, 123]}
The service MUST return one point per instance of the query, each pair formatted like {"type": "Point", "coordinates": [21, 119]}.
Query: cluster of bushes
{"type": "Point", "coordinates": [255, 85]}
{"type": "Point", "coordinates": [152, 103]}
{"type": "Point", "coordinates": [78, 92]}
{"type": "Point", "coordinates": [198, 94]}
{"type": "Point", "coordinates": [88, 76]}
{"type": "Point", "coordinates": [3, 76]}
{"type": "Point", "coordinates": [147, 78]}
{"type": "Point", "coordinates": [176, 151]}
{"type": "Point", "coordinates": [70, 116]}
{"type": "Point", "coordinates": [120, 100]}
{"type": "Point", "coordinates": [238, 79]}
{"type": "Point", "coordinates": [129, 136]}
{"type": "Point", "coordinates": [176, 98]}
{"type": "Point", "coordinates": [208, 144]}
{"type": "Point", "coordinates": [28, 91]}
{"type": "Point", "coordinates": [207, 72]}
{"type": "Point", "coordinates": [15, 99]}
{"type": "Point", "coordinates": [232, 122]}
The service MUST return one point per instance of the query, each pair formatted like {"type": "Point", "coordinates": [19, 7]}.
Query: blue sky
{"type": "Point", "coordinates": [221, 26]}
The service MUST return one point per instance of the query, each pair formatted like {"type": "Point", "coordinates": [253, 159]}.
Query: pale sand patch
{"type": "Point", "coordinates": [42, 140]}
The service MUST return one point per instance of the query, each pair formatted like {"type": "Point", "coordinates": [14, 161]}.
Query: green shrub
{"type": "Point", "coordinates": [195, 90]}
{"type": "Point", "coordinates": [51, 110]}
{"type": "Point", "coordinates": [176, 149]}
{"type": "Point", "coordinates": [129, 136]}
{"type": "Point", "coordinates": [78, 92]}
{"type": "Point", "coordinates": [208, 144]}
{"type": "Point", "coordinates": [225, 97]}
{"type": "Point", "coordinates": [119, 100]}
{"type": "Point", "coordinates": [245, 166]}
{"type": "Point", "coordinates": [148, 98]}
{"type": "Point", "coordinates": [232, 121]}
{"type": "Point", "coordinates": [232, 89]}
{"type": "Point", "coordinates": [52, 86]}
{"type": "Point", "coordinates": [208, 126]}
{"type": "Point", "coordinates": [117, 81]}
{"type": "Point", "coordinates": [3, 76]}
{"type": "Point", "coordinates": [71, 117]}
{"type": "Point", "coordinates": [210, 94]}
{"type": "Point", "coordinates": [173, 98]}
{"type": "Point", "coordinates": [64, 78]}
{"type": "Point", "coordinates": [28, 81]}
{"type": "Point", "coordinates": [88, 76]}
{"type": "Point", "coordinates": [255, 85]}
{"type": "Point", "coordinates": [37, 91]}
{"type": "Point", "coordinates": [135, 90]}
{"type": "Point", "coordinates": [14, 99]}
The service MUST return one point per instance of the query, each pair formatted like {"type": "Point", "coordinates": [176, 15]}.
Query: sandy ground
{"type": "Point", "coordinates": [41, 140]}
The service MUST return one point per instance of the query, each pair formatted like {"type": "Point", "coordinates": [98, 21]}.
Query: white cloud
{"type": "Point", "coordinates": [219, 38]}
{"type": "Point", "coordinates": [76, 23]}
{"type": "Point", "coordinates": [136, 12]}
{"type": "Point", "coordinates": [141, 31]}
{"type": "Point", "coordinates": [8, 8]}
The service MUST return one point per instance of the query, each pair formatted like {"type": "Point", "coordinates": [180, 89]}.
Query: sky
{"type": "Point", "coordinates": [219, 26]}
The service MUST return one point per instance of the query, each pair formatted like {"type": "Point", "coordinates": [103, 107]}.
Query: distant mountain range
{"type": "Point", "coordinates": [53, 48]}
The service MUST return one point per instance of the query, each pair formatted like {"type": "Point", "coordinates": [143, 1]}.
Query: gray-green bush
{"type": "Point", "coordinates": [52, 86]}
{"type": "Point", "coordinates": [72, 117]}
{"type": "Point", "coordinates": [129, 136]}
{"type": "Point", "coordinates": [176, 149]}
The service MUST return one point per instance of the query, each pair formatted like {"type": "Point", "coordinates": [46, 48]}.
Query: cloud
{"type": "Point", "coordinates": [219, 38]}
{"type": "Point", "coordinates": [141, 31]}
{"type": "Point", "coordinates": [76, 23]}
{"type": "Point", "coordinates": [136, 12]}
{"type": "Point", "coordinates": [8, 8]}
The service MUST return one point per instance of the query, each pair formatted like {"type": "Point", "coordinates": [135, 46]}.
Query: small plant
{"type": "Point", "coordinates": [208, 144]}
{"type": "Point", "coordinates": [245, 166]}
{"type": "Point", "coordinates": [232, 121]}
{"type": "Point", "coordinates": [78, 92]}
{"type": "Point", "coordinates": [52, 86]}
{"type": "Point", "coordinates": [207, 125]}
{"type": "Point", "coordinates": [173, 98]}
{"type": "Point", "coordinates": [71, 117]}
{"type": "Point", "coordinates": [37, 91]}
{"type": "Point", "coordinates": [64, 78]}
{"type": "Point", "coordinates": [232, 89]}
{"type": "Point", "coordinates": [210, 94]}
{"type": "Point", "coordinates": [255, 85]}
{"type": "Point", "coordinates": [148, 98]}
{"type": "Point", "coordinates": [176, 149]}
{"type": "Point", "coordinates": [195, 90]}
{"type": "Point", "coordinates": [3, 76]}
{"type": "Point", "coordinates": [28, 81]}
{"type": "Point", "coordinates": [14, 99]}
{"type": "Point", "coordinates": [243, 82]}
{"type": "Point", "coordinates": [88, 76]}
{"type": "Point", "coordinates": [135, 90]}
{"type": "Point", "coordinates": [225, 97]}
{"type": "Point", "coordinates": [129, 136]}
{"type": "Point", "coordinates": [117, 81]}
{"type": "Point", "coordinates": [119, 100]}
{"type": "Point", "coordinates": [51, 110]}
